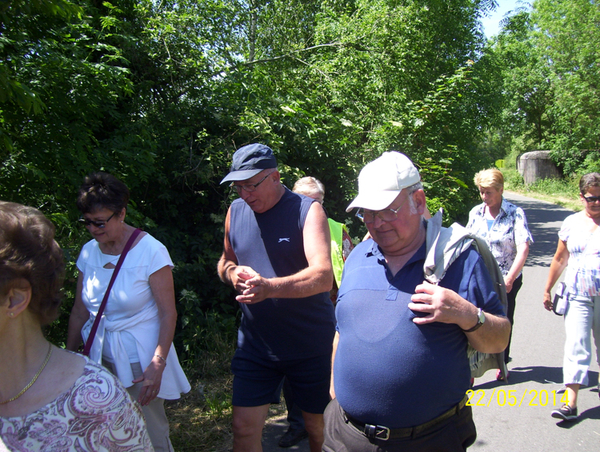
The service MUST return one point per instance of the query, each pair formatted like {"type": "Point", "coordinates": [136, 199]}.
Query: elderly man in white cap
{"type": "Point", "coordinates": [400, 369]}
{"type": "Point", "coordinates": [277, 256]}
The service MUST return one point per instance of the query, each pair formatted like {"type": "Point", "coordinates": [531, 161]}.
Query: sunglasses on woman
{"type": "Point", "coordinates": [590, 199]}
{"type": "Point", "coordinates": [100, 224]}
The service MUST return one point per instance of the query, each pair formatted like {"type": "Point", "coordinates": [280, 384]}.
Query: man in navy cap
{"type": "Point", "coordinates": [277, 257]}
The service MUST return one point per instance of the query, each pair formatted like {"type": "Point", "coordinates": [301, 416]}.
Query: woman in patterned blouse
{"type": "Point", "coordinates": [50, 399]}
{"type": "Point", "coordinates": [504, 227]}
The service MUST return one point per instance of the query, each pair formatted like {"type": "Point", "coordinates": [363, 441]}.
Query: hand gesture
{"type": "Point", "coordinates": [252, 287]}
{"type": "Point", "coordinates": [441, 305]}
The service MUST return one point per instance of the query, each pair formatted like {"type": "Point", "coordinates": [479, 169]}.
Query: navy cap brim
{"type": "Point", "coordinates": [241, 175]}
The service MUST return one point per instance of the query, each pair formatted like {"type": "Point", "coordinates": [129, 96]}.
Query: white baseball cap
{"type": "Point", "coordinates": [382, 180]}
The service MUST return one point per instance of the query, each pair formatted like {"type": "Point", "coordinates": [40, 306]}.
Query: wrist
{"type": "Point", "coordinates": [159, 358]}
{"type": "Point", "coordinates": [480, 320]}
{"type": "Point", "coordinates": [227, 270]}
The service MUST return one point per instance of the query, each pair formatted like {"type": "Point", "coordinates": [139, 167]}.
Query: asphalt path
{"type": "Point", "coordinates": [515, 415]}
{"type": "Point", "coordinates": [536, 367]}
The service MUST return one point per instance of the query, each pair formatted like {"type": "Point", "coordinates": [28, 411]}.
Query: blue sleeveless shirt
{"type": "Point", "coordinates": [272, 244]}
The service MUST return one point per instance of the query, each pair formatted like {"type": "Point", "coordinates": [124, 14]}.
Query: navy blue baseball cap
{"type": "Point", "coordinates": [250, 160]}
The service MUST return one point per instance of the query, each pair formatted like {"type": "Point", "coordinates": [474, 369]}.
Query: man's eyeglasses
{"type": "Point", "coordinates": [386, 215]}
{"type": "Point", "coordinates": [99, 224]}
{"type": "Point", "coordinates": [589, 199]}
{"type": "Point", "coordinates": [248, 187]}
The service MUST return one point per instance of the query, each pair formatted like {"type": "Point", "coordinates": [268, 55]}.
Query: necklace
{"type": "Point", "coordinates": [116, 248]}
{"type": "Point", "coordinates": [33, 380]}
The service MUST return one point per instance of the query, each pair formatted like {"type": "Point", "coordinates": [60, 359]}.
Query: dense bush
{"type": "Point", "coordinates": [162, 93]}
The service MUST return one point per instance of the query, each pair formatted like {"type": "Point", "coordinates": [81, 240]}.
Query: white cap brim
{"type": "Point", "coordinates": [374, 200]}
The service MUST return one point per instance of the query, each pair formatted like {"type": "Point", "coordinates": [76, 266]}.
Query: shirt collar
{"type": "Point", "coordinates": [503, 207]}
{"type": "Point", "coordinates": [375, 251]}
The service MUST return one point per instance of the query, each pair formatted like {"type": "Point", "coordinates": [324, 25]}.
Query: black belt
{"type": "Point", "coordinates": [384, 433]}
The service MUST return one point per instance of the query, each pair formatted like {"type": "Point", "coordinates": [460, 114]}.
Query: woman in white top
{"type": "Point", "coordinates": [51, 399]}
{"type": "Point", "coordinates": [578, 251]}
{"type": "Point", "coordinates": [135, 334]}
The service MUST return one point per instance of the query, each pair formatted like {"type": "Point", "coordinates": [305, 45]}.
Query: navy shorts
{"type": "Point", "coordinates": [258, 381]}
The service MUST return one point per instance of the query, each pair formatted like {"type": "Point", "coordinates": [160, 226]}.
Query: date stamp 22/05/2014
{"type": "Point", "coordinates": [509, 397]}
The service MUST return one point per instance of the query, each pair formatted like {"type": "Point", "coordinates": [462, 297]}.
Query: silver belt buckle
{"type": "Point", "coordinates": [377, 432]}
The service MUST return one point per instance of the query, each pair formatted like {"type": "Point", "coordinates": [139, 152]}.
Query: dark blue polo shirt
{"type": "Point", "coordinates": [388, 370]}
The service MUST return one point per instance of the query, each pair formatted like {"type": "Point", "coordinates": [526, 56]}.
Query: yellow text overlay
{"type": "Point", "coordinates": [512, 397]}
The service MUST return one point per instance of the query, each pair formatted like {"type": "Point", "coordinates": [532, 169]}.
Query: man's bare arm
{"type": "Point", "coordinates": [228, 259]}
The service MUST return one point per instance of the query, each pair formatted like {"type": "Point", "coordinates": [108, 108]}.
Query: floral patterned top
{"type": "Point", "coordinates": [96, 414]}
{"type": "Point", "coordinates": [508, 230]}
{"type": "Point", "coordinates": [583, 269]}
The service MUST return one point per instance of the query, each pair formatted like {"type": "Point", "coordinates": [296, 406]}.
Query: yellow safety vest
{"type": "Point", "coordinates": [337, 257]}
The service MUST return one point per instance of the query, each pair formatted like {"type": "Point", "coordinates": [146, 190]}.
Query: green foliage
{"type": "Point", "coordinates": [591, 163]}
{"type": "Point", "coordinates": [564, 192]}
{"type": "Point", "coordinates": [526, 84]}
{"type": "Point", "coordinates": [76, 75]}
{"type": "Point", "coordinates": [319, 120]}
{"type": "Point", "coordinates": [576, 162]}
{"type": "Point", "coordinates": [556, 187]}
{"type": "Point", "coordinates": [569, 38]}
{"type": "Point", "coordinates": [446, 187]}
{"type": "Point", "coordinates": [513, 180]}
{"type": "Point", "coordinates": [207, 339]}
{"type": "Point", "coordinates": [12, 15]}
{"type": "Point", "coordinates": [548, 58]}
{"type": "Point", "coordinates": [162, 93]}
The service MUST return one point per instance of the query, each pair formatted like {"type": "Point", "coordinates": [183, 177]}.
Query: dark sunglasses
{"type": "Point", "coordinates": [589, 199]}
{"type": "Point", "coordinates": [99, 224]}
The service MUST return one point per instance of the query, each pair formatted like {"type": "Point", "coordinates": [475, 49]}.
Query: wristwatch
{"type": "Point", "coordinates": [480, 321]}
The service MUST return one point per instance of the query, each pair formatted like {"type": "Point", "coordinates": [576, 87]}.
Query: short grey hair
{"type": "Point", "coordinates": [410, 190]}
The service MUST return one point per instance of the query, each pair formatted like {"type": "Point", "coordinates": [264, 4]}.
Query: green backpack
{"type": "Point", "coordinates": [444, 245]}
